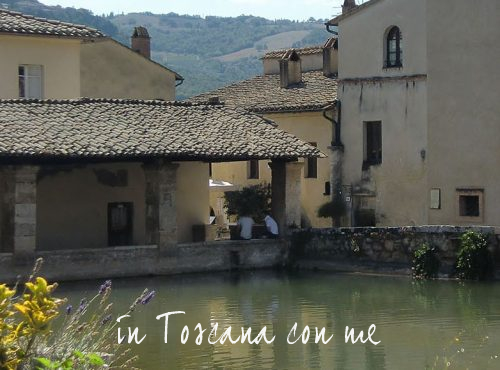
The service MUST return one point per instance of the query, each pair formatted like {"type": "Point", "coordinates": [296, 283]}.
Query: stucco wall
{"type": "Point", "coordinates": [463, 105]}
{"type": "Point", "coordinates": [72, 204]}
{"type": "Point", "coordinates": [312, 62]}
{"type": "Point", "coordinates": [395, 189]}
{"type": "Point", "coordinates": [399, 183]}
{"type": "Point", "coordinates": [60, 59]}
{"type": "Point", "coordinates": [310, 127]}
{"type": "Point", "coordinates": [110, 70]}
{"type": "Point", "coordinates": [362, 35]}
{"type": "Point", "coordinates": [192, 198]}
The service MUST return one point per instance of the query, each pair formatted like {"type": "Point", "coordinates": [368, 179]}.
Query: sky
{"type": "Point", "coordinates": [271, 9]}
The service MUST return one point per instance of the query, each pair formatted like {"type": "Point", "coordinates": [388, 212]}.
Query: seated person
{"type": "Point", "coordinates": [245, 224]}
{"type": "Point", "coordinates": [271, 227]}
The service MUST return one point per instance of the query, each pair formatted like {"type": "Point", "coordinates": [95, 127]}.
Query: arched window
{"type": "Point", "coordinates": [394, 51]}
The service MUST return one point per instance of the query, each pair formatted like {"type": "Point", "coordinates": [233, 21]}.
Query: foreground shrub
{"type": "Point", "coordinates": [425, 262]}
{"type": "Point", "coordinates": [84, 340]}
{"type": "Point", "coordinates": [474, 261]}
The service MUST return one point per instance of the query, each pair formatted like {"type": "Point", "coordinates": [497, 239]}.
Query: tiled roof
{"type": "Point", "coordinates": [263, 94]}
{"type": "Point", "coordinates": [18, 23]}
{"type": "Point", "coordinates": [118, 128]}
{"type": "Point", "coordinates": [277, 54]}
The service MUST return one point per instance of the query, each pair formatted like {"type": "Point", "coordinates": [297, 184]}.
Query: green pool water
{"type": "Point", "coordinates": [435, 324]}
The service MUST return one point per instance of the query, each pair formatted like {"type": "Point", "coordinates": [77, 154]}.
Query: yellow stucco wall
{"type": "Point", "coordinates": [111, 70]}
{"type": "Point", "coordinates": [310, 127]}
{"type": "Point", "coordinates": [192, 198]}
{"type": "Point", "coordinates": [72, 205]}
{"type": "Point", "coordinates": [60, 59]}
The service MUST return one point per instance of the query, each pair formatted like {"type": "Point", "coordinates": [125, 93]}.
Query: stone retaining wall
{"type": "Point", "coordinates": [393, 245]}
{"type": "Point", "coordinates": [147, 260]}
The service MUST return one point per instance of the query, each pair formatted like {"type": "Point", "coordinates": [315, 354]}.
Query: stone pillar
{"type": "Point", "coordinates": [161, 209]}
{"type": "Point", "coordinates": [19, 185]}
{"type": "Point", "coordinates": [286, 194]}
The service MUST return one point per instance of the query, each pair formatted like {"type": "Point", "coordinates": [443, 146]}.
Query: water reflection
{"type": "Point", "coordinates": [420, 325]}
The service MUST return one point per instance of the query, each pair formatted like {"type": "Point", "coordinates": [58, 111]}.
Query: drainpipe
{"type": "Point", "coordinates": [179, 83]}
{"type": "Point", "coordinates": [337, 159]}
{"type": "Point", "coordinates": [337, 143]}
{"type": "Point", "coordinates": [329, 30]}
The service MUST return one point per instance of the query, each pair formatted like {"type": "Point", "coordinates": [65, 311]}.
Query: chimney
{"type": "Point", "coordinates": [330, 57]}
{"type": "Point", "coordinates": [141, 42]}
{"type": "Point", "coordinates": [290, 69]}
{"type": "Point", "coordinates": [348, 5]}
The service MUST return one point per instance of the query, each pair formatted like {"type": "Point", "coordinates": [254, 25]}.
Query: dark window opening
{"type": "Point", "coordinates": [120, 224]}
{"type": "Point", "coordinates": [210, 169]}
{"type": "Point", "coordinates": [253, 169]}
{"type": "Point", "coordinates": [469, 205]}
{"type": "Point", "coordinates": [373, 144]}
{"type": "Point", "coordinates": [394, 50]}
{"type": "Point", "coordinates": [328, 189]}
{"type": "Point", "coordinates": [311, 170]}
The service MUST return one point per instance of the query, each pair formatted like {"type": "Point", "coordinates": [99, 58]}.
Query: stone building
{"type": "Point", "coordinates": [297, 92]}
{"type": "Point", "coordinates": [46, 59]}
{"type": "Point", "coordinates": [96, 173]}
{"type": "Point", "coordinates": [419, 118]}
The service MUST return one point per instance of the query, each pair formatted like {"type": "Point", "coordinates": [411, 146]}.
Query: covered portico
{"type": "Point", "coordinates": [89, 174]}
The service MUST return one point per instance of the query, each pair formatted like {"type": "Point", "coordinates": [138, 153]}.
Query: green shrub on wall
{"type": "Point", "coordinates": [474, 261]}
{"type": "Point", "coordinates": [425, 262]}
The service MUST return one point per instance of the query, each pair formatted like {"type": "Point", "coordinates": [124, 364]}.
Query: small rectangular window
{"type": "Point", "coordinates": [253, 169]}
{"type": "Point", "coordinates": [373, 143]}
{"type": "Point", "coordinates": [120, 224]}
{"type": "Point", "coordinates": [311, 170]}
{"type": "Point", "coordinates": [210, 169]}
{"type": "Point", "coordinates": [470, 203]}
{"type": "Point", "coordinates": [30, 81]}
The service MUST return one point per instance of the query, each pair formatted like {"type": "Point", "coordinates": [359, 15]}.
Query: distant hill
{"type": "Point", "coordinates": [208, 52]}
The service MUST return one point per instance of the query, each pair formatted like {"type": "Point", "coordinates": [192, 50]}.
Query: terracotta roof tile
{"type": "Point", "coordinates": [263, 94]}
{"type": "Point", "coordinates": [278, 54]}
{"type": "Point", "coordinates": [117, 128]}
{"type": "Point", "coordinates": [18, 23]}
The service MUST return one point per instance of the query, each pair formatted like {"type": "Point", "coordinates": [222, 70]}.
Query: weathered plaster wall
{"type": "Point", "coordinates": [399, 182]}
{"type": "Point", "coordinates": [395, 189]}
{"type": "Point", "coordinates": [142, 261]}
{"type": "Point", "coordinates": [310, 127]}
{"type": "Point", "coordinates": [362, 36]}
{"type": "Point", "coordinates": [110, 70]}
{"type": "Point", "coordinates": [72, 204]}
{"type": "Point", "coordinates": [381, 245]}
{"type": "Point", "coordinates": [463, 105]}
{"type": "Point", "coordinates": [60, 59]}
{"type": "Point", "coordinates": [192, 198]}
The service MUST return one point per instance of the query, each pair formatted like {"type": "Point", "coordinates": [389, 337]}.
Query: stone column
{"type": "Point", "coordinates": [161, 209]}
{"type": "Point", "coordinates": [286, 194]}
{"type": "Point", "coordinates": [19, 185]}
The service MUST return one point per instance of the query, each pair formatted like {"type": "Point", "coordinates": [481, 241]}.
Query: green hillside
{"type": "Point", "coordinates": [208, 52]}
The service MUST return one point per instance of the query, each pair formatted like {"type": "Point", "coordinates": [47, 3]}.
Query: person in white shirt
{"type": "Point", "coordinates": [271, 227]}
{"type": "Point", "coordinates": [245, 225]}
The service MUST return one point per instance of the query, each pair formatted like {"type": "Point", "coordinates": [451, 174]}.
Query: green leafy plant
{"type": "Point", "coordinates": [474, 260]}
{"type": "Point", "coordinates": [253, 201]}
{"type": "Point", "coordinates": [425, 262]}
{"type": "Point", "coordinates": [84, 340]}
